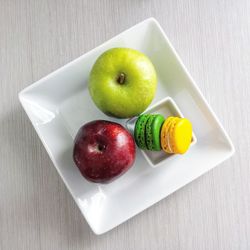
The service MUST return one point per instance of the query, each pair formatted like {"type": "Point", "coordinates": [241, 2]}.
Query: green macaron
{"type": "Point", "coordinates": [139, 132]}
{"type": "Point", "coordinates": [149, 133]}
{"type": "Point", "coordinates": [153, 132]}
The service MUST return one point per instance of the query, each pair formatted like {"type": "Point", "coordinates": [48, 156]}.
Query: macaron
{"type": "Point", "coordinates": [176, 135]}
{"type": "Point", "coordinates": [181, 136]}
{"type": "Point", "coordinates": [170, 138]}
{"type": "Point", "coordinates": [139, 132]}
{"type": "Point", "coordinates": [147, 131]}
{"type": "Point", "coordinates": [153, 131]}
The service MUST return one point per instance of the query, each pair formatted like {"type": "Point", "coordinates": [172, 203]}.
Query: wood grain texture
{"type": "Point", "coordinates": [37, 37]}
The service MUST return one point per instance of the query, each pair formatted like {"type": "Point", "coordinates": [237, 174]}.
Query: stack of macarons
{"type": "Point", "coordinates": [154, 132]}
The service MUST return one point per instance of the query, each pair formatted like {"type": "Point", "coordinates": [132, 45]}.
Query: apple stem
{"type": "Point", "coordinates": [121, 78]}
{"type": "Point", "coordinates": [101, 147]}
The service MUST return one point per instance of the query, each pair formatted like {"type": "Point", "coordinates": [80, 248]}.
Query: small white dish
{"type": "Point", "coordinates": [59, 104]}
{"type": "Point", "coordinates": [166, 107]}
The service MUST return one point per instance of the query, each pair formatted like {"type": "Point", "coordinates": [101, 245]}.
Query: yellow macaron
{"type": "Point", "coordinates": [176, 135]}
{"type": "Point", "coordinates": [182, 136]}
{"type": "Point", "coordinates": [169, 132]}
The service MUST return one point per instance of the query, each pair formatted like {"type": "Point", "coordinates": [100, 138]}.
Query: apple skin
{"type": "Point", "coordinates": [103, 151]}
{"type": "Point", "coordinates": [125, 96]}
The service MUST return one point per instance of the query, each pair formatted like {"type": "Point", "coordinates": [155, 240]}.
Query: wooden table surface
{"type": "Point", "coordinates": [37, 37]}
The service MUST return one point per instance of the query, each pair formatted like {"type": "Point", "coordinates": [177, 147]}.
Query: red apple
{"type": "Point", "coordinates": [103, 151]}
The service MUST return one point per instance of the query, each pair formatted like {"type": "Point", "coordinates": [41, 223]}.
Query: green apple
{"type": "Point", "coordinates": [122, 82]}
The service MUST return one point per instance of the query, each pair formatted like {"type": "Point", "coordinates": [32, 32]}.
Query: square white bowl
{"type": "Point", "coordinates": [59, 104]}
{"type": "Point", "coordinates": [166, 107]}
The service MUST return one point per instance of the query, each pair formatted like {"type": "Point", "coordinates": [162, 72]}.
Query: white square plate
{"type": "Point", "coordinates": [59, 104]}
